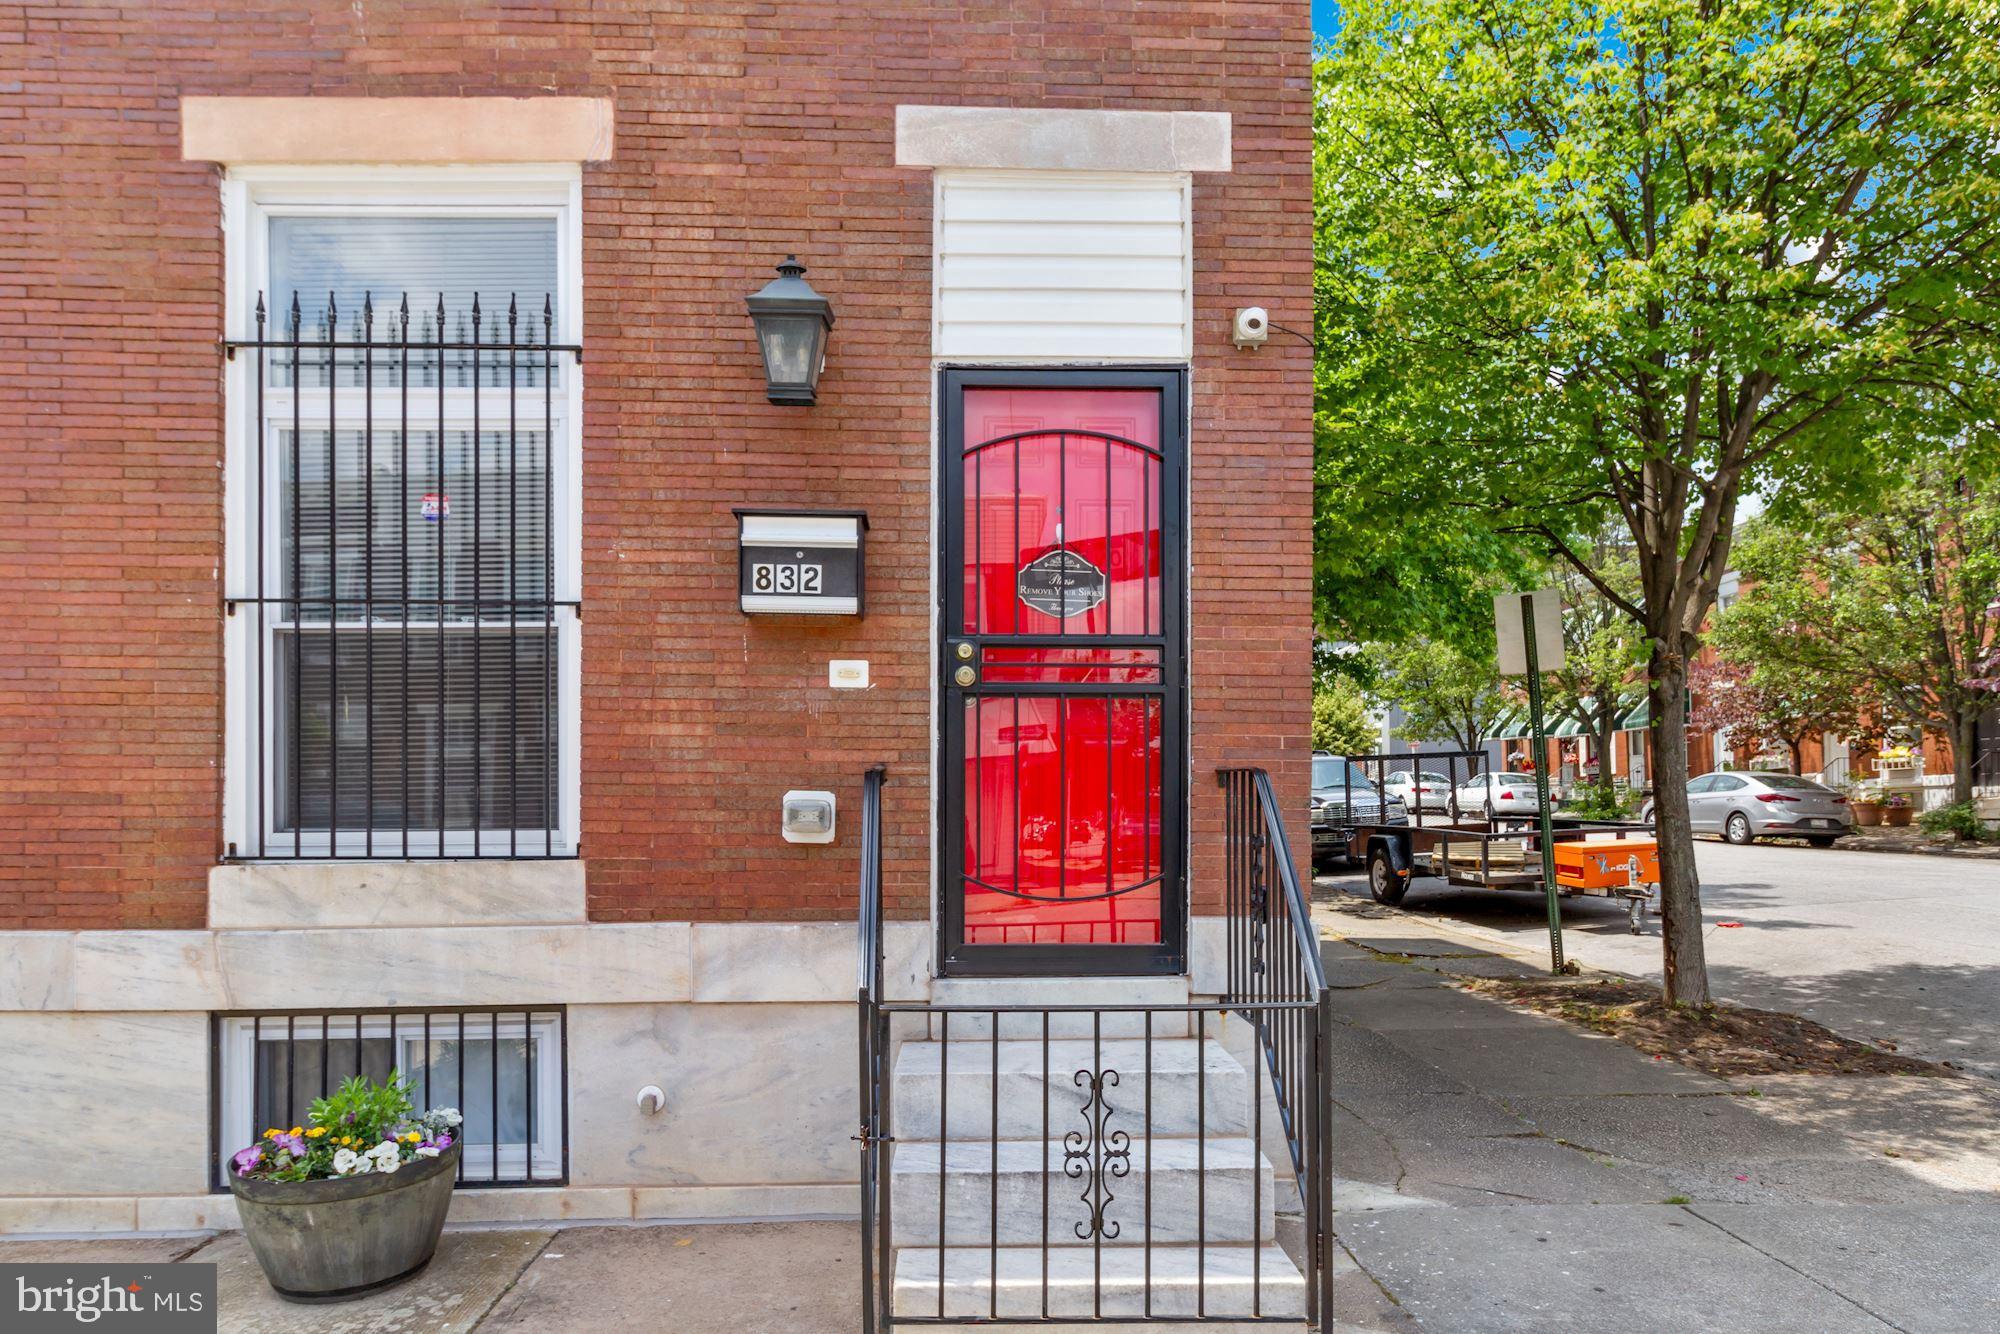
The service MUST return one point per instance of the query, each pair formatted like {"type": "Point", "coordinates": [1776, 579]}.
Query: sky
{"type": "Point", "coordinates": [1326, 17]}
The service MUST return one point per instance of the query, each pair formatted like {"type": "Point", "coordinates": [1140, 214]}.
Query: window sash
{"type": "Point", "coordinates": [436, 256]}
{"type": "Point", "coordinates": [392, 741]}
{"type": "Point", "coordinates": [425, 513]}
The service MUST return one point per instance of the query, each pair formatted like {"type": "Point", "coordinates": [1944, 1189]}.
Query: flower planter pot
{"type": "Point", "coordinates": [343, 1238]}
{"type": "Point", "coordinates": [1867, 814]}
{"type": "Point", "coordinates": [1897, 817]}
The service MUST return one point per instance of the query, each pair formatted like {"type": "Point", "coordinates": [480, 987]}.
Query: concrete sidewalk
{"type": "Point", "coordinates": [1499, 1170]}
{"type": "Point", "coordinates": [774, 1278]}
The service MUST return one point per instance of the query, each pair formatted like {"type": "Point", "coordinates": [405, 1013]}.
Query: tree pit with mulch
{"type": "Point", "coordinates": [1729, 1041]}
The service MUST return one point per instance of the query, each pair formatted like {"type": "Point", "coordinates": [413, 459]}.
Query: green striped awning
{"type": "Point", "coordinates": [1513, 725]}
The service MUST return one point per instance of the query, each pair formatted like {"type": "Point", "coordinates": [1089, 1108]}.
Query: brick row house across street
{"type": "Point", "coordinates": [447, 633]}
{"type": "Point", "coordinates": [1920, 765]}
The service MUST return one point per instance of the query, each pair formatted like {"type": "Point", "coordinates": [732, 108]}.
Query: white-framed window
{"type": "Point", "coordinates": [403, 508]}
{"type": "Point", "coordinates": [502, 1069]}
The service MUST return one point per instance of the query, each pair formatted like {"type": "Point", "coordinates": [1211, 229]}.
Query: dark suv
{"type": "Point", "coordinates": [1342, 797]}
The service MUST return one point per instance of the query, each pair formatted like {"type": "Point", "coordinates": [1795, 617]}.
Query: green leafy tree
{"type": "Point", "coordinates": [1629, 261]}
{"type": "Point", "coordinates": [1394, 548]}
{"type": "Point", "coordinates": [1445, 693]}
{"type": "Point", "coordinates": [1883, 608]}
{"type": "Point", "coordinates": [1341, 721]}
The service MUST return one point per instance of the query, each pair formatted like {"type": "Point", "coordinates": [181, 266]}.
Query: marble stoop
{"type": "Point", "coordinates": [1239, 1281]}
{"type": "Point", "coordinates": [1224, 1181]}
{"type": "Point", "coordinates": [1167, 1078]}
{"type": "Point", "coordinates": [1001, 992]}
{"type": "Point", "coordinates": [1017, 1229]}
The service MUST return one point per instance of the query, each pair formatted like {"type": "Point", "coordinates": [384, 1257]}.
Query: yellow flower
{"type": "Point", "coordinates": [315, 1132]}
{"type": "Point", "coordinates": [271, 1133]}
{"type": "Point", "coordinates": [297, 1131]}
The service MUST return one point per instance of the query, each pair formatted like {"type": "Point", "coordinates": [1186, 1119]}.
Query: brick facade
{"type": "Point", "coordinates": [743, 132]}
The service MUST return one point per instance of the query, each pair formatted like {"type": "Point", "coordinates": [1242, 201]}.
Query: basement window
{"type": "Point", "coordinates": [505, 1070]}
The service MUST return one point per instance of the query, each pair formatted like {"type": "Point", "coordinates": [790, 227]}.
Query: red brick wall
{"type": "Point", "coordinates": [744, 132]}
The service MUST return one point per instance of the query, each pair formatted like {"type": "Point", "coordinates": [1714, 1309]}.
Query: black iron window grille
{"type": "Point", "coordinates": [407, 626]}
{"type": "Point", "coordinates": [506, 1070]}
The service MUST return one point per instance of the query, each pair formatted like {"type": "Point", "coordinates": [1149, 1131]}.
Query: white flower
{"type": "Point", "coordinates": [346, 1162]}
{"type": "Point", "coordinates": [428, 1151]}
{"type": "Point", "coordinates": [386, 1156]}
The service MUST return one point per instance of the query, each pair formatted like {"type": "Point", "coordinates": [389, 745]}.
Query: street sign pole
{"type": "Point", "coordinates": [1542, 783]}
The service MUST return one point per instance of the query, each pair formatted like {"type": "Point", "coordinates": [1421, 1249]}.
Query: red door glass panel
{"type": "Point", "coordinates": [1062, 820]}
{"type": "Point", "coordinates": [1053, 471]}
{"type": "Point", "coordinates": [1061, 834]}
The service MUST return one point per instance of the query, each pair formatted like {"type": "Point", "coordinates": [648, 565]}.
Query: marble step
{"type": "Point", "coordinates": [1239, 1281]}
{"type": "Point", "coordinates": [1002, 992]}
{"type": "Point", "coordinates": [1186, 1075]}
{"type": "Point", "coordinates": [1218, 1189]}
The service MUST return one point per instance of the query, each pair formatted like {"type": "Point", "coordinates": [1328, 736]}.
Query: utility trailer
{"type": "Point", "coordinates": [1594, 858]}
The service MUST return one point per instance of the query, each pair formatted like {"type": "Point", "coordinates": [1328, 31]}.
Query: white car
{"type": "Point", "coordinates": [1421, 791]}
{"type": "Point", "coordinates": [1493, 794]}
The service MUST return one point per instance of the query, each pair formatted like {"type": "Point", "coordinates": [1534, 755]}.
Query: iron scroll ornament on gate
{"type": "Point", "coordinates": [1097, 1153]}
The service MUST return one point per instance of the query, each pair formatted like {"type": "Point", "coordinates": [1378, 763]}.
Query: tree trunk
{"type": "Point", "coordinates": [1606, 761]}
{"type": "Point", "coordinates": [1798, 749]}
{"type": "Point", "coordinates": [1964, 753]}
{"type": "Point", "coordinates": [1684, 962]}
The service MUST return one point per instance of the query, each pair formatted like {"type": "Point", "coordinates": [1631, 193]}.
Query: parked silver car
{"type": "Point", "coordinates": [1744, 807]}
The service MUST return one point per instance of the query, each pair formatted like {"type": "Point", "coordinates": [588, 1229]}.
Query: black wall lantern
{"type": "Point", "coordinates": [792, 324]}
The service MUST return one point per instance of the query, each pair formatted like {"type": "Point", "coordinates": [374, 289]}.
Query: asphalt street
{"type": "Point", "coordinates": [1877, 946]}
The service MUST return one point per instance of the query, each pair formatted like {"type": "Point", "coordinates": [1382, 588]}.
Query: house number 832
{"type": "Point", "coordinates": [776, 577]}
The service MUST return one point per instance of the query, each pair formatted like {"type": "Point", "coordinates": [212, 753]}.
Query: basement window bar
{"type": "Point", "coordinates": [505, 1070]}
{"type": "Point", "coordinates": [405, 674]}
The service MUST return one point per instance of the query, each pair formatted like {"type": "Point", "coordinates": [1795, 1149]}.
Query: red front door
{"type": "Point", "coordinates": [1063, 760]}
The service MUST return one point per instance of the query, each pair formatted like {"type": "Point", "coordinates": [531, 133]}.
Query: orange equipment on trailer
{"type": "Point", "coordinates": [1607, 863]}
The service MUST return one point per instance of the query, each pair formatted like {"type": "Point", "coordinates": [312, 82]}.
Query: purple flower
{"type": "Point", "coordinates": [247, 1159]}
{"type": "Point", "coordinates": [295, 1145]}
{"type": "Point", "coordinates": [443, 1141]}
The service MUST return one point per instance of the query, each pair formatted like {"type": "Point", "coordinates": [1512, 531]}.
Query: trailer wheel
{"type": "Point", "coordinates": [1385, 882]}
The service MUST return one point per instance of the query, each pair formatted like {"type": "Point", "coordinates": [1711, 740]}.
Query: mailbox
{"type": "Point", "coordinates": [800, 562]}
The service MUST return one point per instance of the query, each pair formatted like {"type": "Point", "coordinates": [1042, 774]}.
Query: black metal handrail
{"type": "Point", "coordinates": [871, 881]}
{"type": "Point", "coordinates": [1273, 954]}
{"type": "Point", "coordinates": [873, 1045]}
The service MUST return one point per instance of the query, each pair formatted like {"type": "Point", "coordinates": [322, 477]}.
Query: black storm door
{"type": "Point", "coordinates": [1063, 765]}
